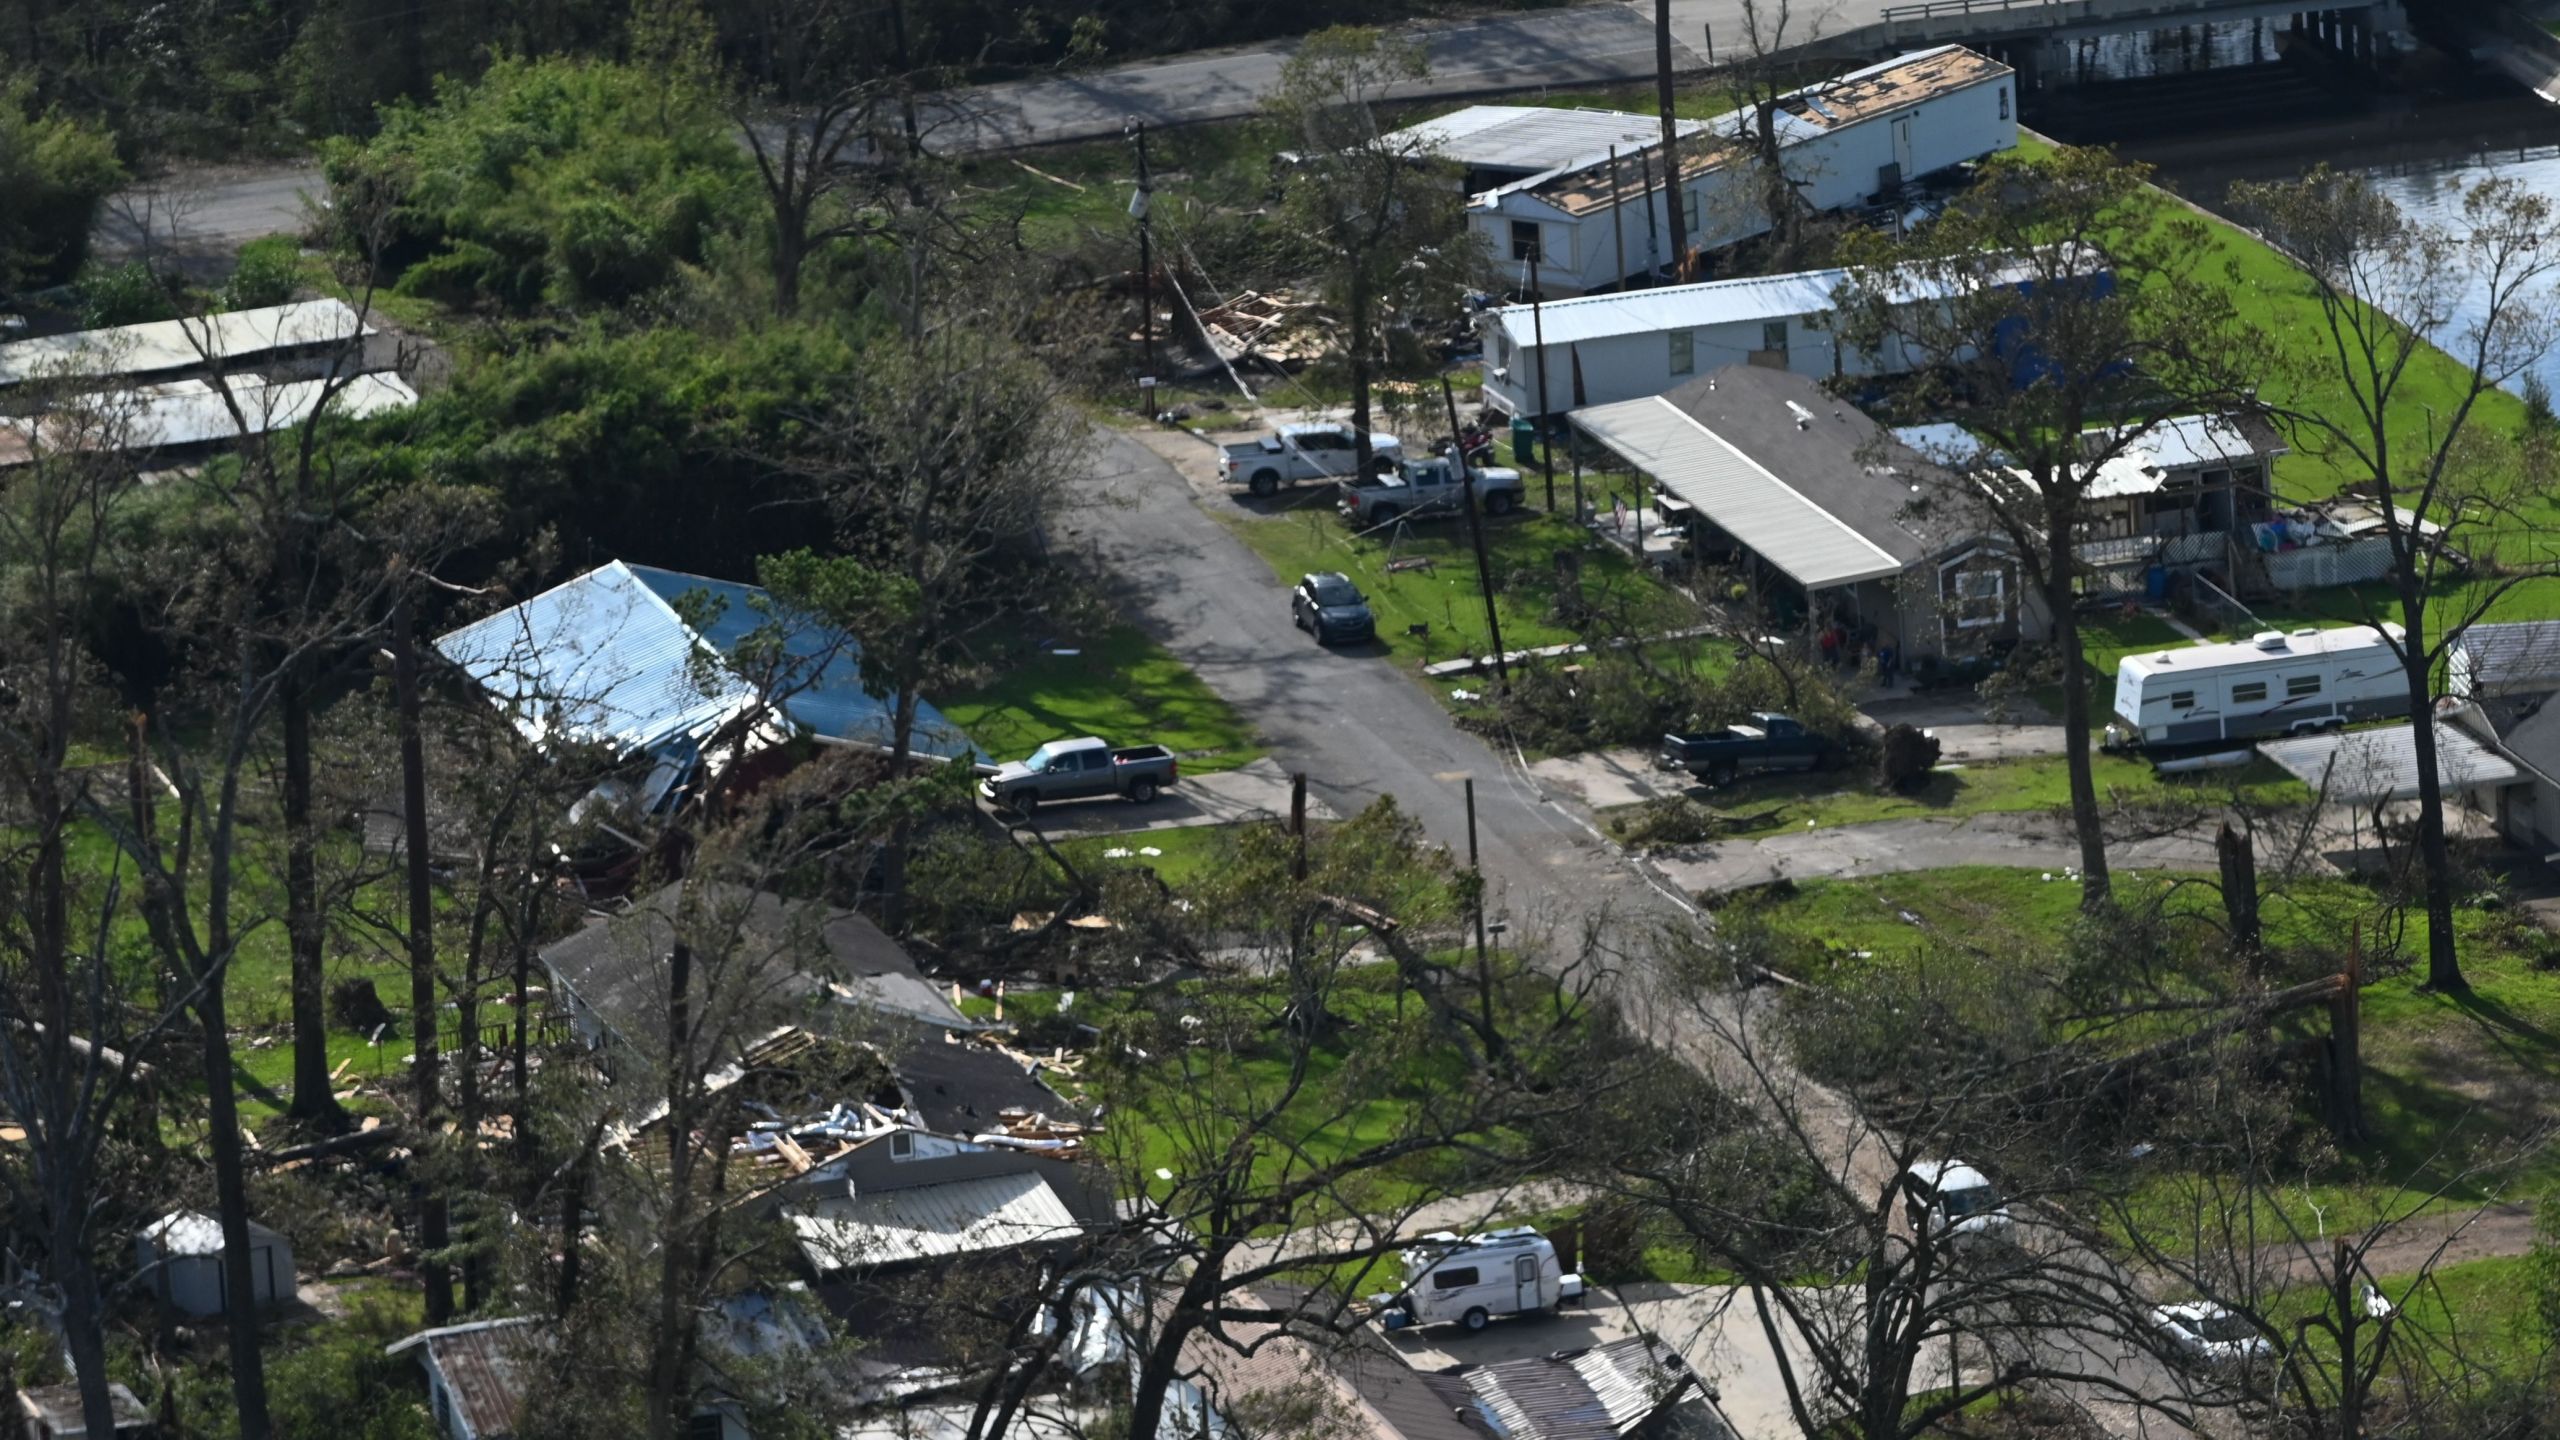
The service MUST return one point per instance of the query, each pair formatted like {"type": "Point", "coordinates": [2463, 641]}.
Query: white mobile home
{"type": "Point", "coordinates": [1601, 349]}
{"type": "Point", "coordinates": [2270, 684]}
{"type": "Point", "coordinates": [1467, 1281]}
{"type": "Point", "coordinates": [180, 1256]}
{"type": "Point", "coordinates": [1863, 134]}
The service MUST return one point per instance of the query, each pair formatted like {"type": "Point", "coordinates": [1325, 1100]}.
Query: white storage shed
{"type": "Point", "coordinates": [1859, 135]}
{"type": "Point", "coordinates": [181, 1259]}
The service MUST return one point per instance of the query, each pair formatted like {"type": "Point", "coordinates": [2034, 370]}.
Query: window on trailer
{"type": "Point", "coordinates": [2249, 692]}
{"type": "Point", "coordinates": [2301, 687]}
{"type": "Point", "coordinates": [1773, 336]}
{"type": "Point", "coordinates": [1684, 352]}
{"type": "Point", "coordinates": [1458, 1278]}
{"type": "Point", "coordinates": [1525, 244]}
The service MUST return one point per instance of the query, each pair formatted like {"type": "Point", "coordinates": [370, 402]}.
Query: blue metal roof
{"type": "Point", "coordinates": [609, 657]}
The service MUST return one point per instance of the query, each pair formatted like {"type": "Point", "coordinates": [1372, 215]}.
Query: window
{"type": "Point", "coordinates": [1982, 598]}
{"type": "Point", "coordinates": [1693, 216]}
{"type": "Point", "coordinates": [444, 1406]}
{"type": "Point", "coordinates": [1525, 244]}
{"type": "Point", "coordinates": [704, 1425]}
{"type": "Point", "coordinates": [2301, 687]}
{"type": "Point", "coordinates": [1773, 336]}
{"type": "Point", "coordinates": [902, 1144]}
{"type": "Point", "coordinates": [2182, 699]}
{"type": "Point", "coordinates": [2253, 692]}
{"type": "Point", "coordinates": [1456, 1279]}
{"type": "Point", "coordinates": [2004, 102]}
{"type": "Point", "coordinates": [1684, 352]}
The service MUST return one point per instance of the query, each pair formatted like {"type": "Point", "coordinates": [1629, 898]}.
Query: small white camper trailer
{"type": "Point", "coordinates": [2270, 684]}
{"type": "Point", "coordinates": [1468, 1280]}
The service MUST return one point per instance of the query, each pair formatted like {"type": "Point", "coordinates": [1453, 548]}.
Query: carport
{"type": "Point", "coordinates": [2373, 768]}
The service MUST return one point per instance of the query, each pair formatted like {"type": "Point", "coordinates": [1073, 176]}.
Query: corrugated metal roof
{"type": "Point", "coordinates": [190, 412]}
{"type": "Point", "coordinates": [166, 345]}
{"type": "Point", "coordinates": [2188, 442]}
{"type": "Point", "coordinates": [1672, 307]}
{"type": "Point", "coordinates": [926, 1222]}
{"type": "Point", "coordinates": [2362, 767]}
{"type": "Point", "coordinates": [1597, 1394]}
{"type": "Point", "coordinates": [485, 1365]}
{"type": "Point", "coordinates": [607, 658]}
{"type": "Point", "coordinates": [1814, 547]}
{"type": "Point", "coordinates": [2508, 655]}
{"type": "Point", "coordinates": [1534, 137]}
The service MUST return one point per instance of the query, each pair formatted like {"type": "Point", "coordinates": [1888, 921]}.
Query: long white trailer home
{"type": "Point", "coordinates": [1591, 223]}
{"type": "Point", "coordinates": [2273, 683]}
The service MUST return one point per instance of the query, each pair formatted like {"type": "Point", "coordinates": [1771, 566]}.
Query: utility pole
{"type": "Point", "coordinates": [1475, 870]}
{"type": "Point", "coordinates": [1546, 412]}
{"type": "Point", "coordinates": [1475, 529]}
{"type": "Point", "coordinates": [1141, 205]}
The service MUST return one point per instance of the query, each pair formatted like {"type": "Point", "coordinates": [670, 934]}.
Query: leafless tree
{"type": "Point", "coordinates": [2372, 397]}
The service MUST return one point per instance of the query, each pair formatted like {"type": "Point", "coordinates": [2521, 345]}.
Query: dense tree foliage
{"type": "Point", "coordinates": [548, 180]}
{"type": "Point", "coordinates": [55, 172]}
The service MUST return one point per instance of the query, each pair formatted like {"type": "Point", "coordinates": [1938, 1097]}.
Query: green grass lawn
{"type": "Point", "coordinates": [2451, 1082]}
{"type": "Point", "coordinates": [1187, 852]}
{"type": "Point", "coordinates": [1776, 803]}
{"type": "Point", "coordinates": [1121, 686]}
{"type": "Point", "coordinates": [1445, 595]}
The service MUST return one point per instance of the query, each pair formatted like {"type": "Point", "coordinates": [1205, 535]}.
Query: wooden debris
{"type": "Point", "coordinates": [799, 1159]}
{"type": "Point", "coordinates": [1052, 179]}
{"type": "Point", "coordinates": [1255, 325]}
{"type": "Point", "coordinates": [341, 1072]}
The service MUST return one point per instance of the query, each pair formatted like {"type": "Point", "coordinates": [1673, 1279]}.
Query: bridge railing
{"type": "Point", "coordinates": [1933, 9]}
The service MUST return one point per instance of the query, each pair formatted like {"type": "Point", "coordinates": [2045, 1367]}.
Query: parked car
{"type": "Point", "coordinates": [1951, 1201]}
{"type": "Point", "coordinates": [1080, 770]}
{"type": "Point", "coordinates": [1427, 487]}
{"type": "Point", "coordinates": [1770, 742]}
{"type": "Point", "coordinates": [2209, 1334]}
{"type": "Point", "coordinates": [1469, 1280]}
{"type": "Point", "coordinates": [1332, 609]}
{"type": "Point", "coordinates": [1293, 454]}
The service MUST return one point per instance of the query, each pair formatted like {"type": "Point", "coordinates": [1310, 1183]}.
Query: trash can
{"type": "Point", "coordinates": [1524, 440]}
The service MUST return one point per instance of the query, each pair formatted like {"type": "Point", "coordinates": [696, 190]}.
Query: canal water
{"type": "Point", "coordinates": [2424, 155]}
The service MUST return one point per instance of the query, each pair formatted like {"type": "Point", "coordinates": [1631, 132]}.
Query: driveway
{"type": "Point", "coordinates": [2024, 839]}
{"type": "Point", "coordinates": [1256, 791]}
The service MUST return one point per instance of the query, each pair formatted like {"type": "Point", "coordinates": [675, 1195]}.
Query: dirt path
{"type": "Point", "coordinates": [1886, 847]}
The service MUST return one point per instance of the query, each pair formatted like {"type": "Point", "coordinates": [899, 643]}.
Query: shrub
{"type": "Point", "coordinates": [54, 172]}
{"type": "Point", "coordinates": [127, 294]}
{"type": "Point", "coordinates": [267, 274]}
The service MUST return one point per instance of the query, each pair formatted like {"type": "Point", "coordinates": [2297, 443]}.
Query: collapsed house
{"type": "Point", "coordinates": [637, 660]}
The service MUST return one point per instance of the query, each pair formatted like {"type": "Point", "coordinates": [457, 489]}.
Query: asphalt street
{"type": "Point", "coordinates": [1357, 728]}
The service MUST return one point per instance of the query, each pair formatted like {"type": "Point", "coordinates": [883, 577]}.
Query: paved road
{"type": "Point", "coordinates": [202, 218]}
{"type": "Point", "coordinates": [1359, 729]}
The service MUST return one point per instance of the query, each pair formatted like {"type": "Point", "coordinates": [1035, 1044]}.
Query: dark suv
{"type": "Point", "coordinates": [1332, 609]}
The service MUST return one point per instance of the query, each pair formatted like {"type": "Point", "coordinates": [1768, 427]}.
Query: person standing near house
{"type": "Point", "coordinates": [1829, 642]}
{"type": "Point", "coordinates": [1887, 657]}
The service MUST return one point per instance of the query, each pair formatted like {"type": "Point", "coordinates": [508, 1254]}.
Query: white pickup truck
{"type": "Point", "coordinates": [1319, 450]}
{"type": "Point", "coordinates": [1420, 488]}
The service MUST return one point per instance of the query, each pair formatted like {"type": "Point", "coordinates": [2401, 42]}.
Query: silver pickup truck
{"type": "Point", "coordinates": [1080, 770]}
{"type": "Point", "coordinates": [1427, 487]}
{"type": "Point", "coordinates": [1318, 450]}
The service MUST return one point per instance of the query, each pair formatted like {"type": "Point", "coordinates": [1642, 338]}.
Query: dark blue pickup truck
{"type": "Point", "coordinates": [1770, 742]}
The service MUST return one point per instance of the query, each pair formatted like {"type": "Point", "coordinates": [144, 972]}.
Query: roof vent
{"type": "Point", "coordinates": [2268, 639]}
{"type": "Point", "coordinates": [2306, 632]}
{"type": "Point", "coordinates": [1804, 417]}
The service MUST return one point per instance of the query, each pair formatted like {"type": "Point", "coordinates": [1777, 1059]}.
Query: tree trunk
{"type": "Point", "coordinates": [1164, 1351]}
{"type": "Point", "coordinates": [1361, 457]}
{"type": "Point", "coordinates": [1670, 138]}
{"type": "Point", "coordinates": [231, 1195]}
{"type": "Point", "coordinates": [313, 1097]}
{"type": "Point", "coordinates": [2238, 861]}
{"type": "Point", "coordinates": [787, 245]}
{"type": "Point", "coordinates": [2095, 889]}
{"type": "Point", "coordinates": [666, 1348]}
{"type": "Point", "coordinates": [84, 1332]}
{"type": "Point", "coordinates": [2435, 853]}
{"type": "Point", "coordinates": [423, 1009]}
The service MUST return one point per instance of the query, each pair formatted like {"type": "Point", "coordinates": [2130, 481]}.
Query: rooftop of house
{"type": "Point", "coordinates": [161, 346]}
{"type": "Point", "coordinates": [183, 414]}
{"type": "Point", "coordinates": [2181, 447]}
{"type": "Point", "coordinates": [193, 1232]}
{"type": "Point", "coordinates": [1805, 480]}
{"type": "Point", "coordinates": [1533, 138]}
{"type": "Point", "coordinates": [801, 957]}
{"type": "Point", "coordinates": [616, 656]}
{"type": "Point", "coordinates": [1586, 184]}
{"type": "Point", "coordinates": [486, 1365]}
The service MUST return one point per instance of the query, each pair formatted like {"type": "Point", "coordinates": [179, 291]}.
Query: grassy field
{"type": "Point", "coordinates": [1121, 686]}
{"type": "Point", "coordinates": [1444, 595]}
{"type": "Point", "coordinates": [1799, 802]}
{"type": "Point", "coordinates": [1185, 853]}
{"type": "Point", "coordinates": [2451, 1082]}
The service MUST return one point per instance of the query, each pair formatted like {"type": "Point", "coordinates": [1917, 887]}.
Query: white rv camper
{"type": "Point", "coordinates": [1469, 1280]}
{"type": "Point", "coordinates": [2270, 684]}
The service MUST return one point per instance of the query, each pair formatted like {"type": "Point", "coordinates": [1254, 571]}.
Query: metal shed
{"type": "Point", "coordinates": [181, 1259]}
